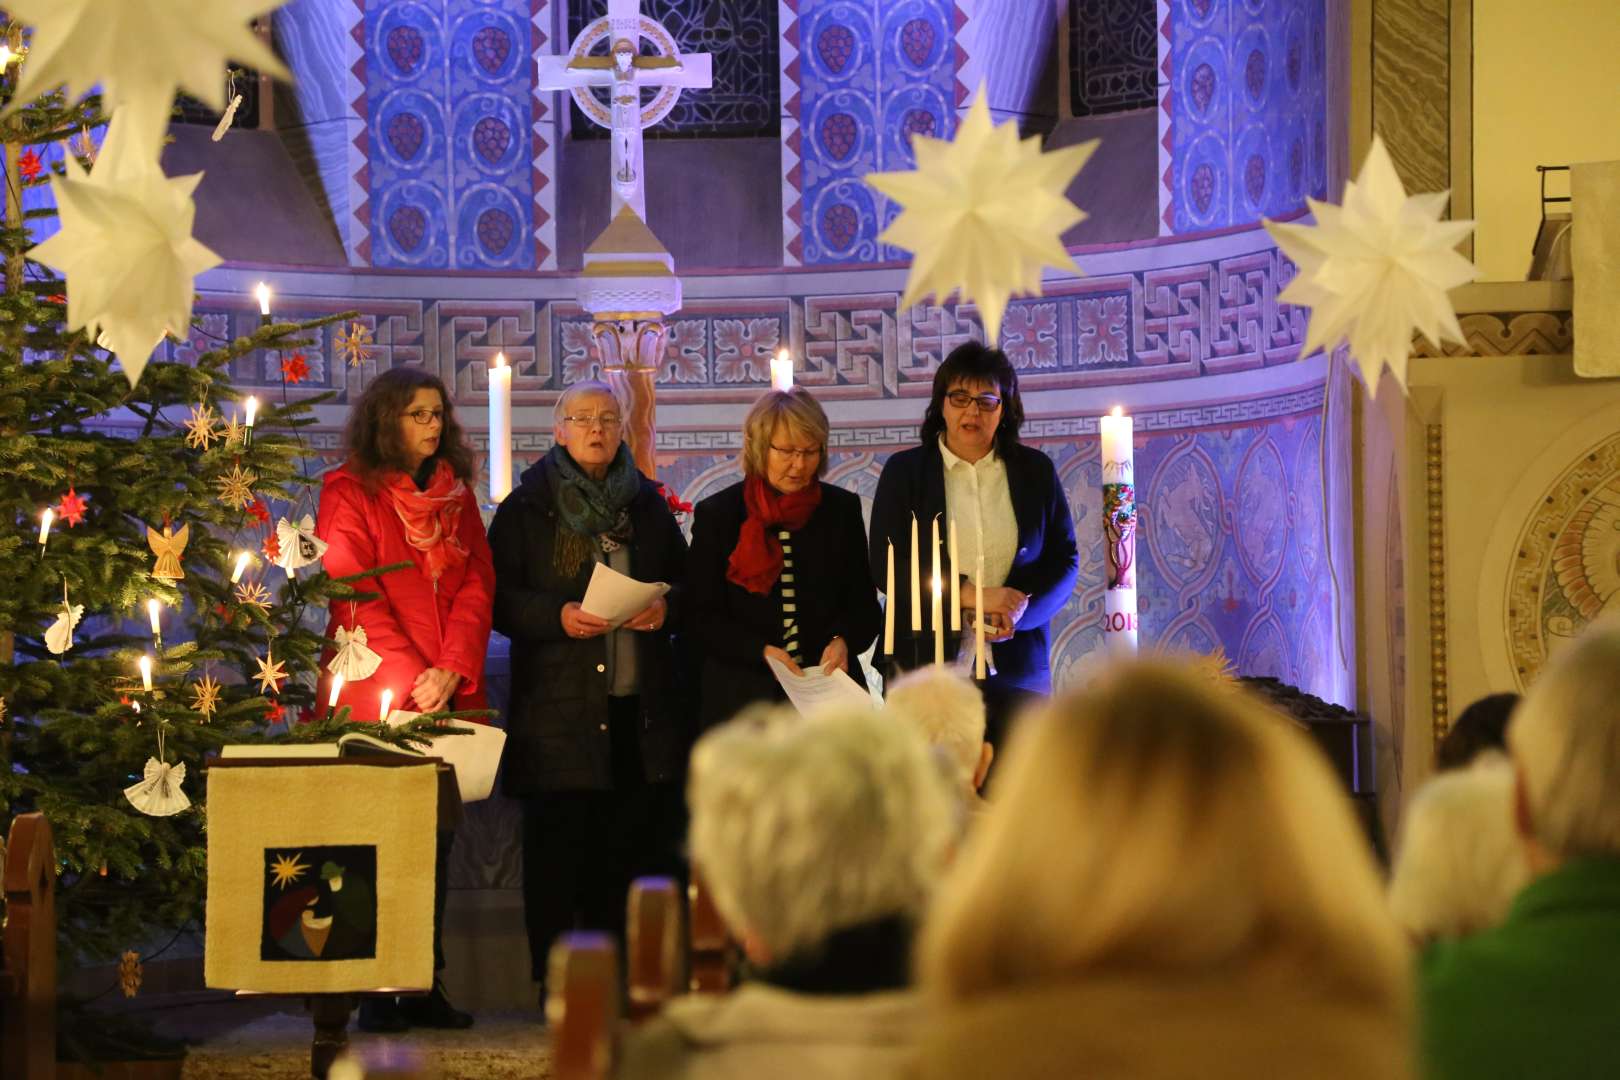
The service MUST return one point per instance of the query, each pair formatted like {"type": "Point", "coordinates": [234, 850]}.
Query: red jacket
{"type": "Point", "coordinates": [411, 625]}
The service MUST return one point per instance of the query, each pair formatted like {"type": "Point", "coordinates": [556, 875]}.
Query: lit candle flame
{"type": "Point", "coordinates": [145, 663]}
{"type": "Point", "coordinates": [1118, 411]}
{"type": "Point", "coordinates": [262, 291]}
{"type": "Point", "coordinates": [251, 406]}
{"type": "Point", "coordinates": [337, 688]}
{"type": "Point", "coordinates": [45, 520]}
{"type": "Point", "coordinates": [500, 359]}
{"type": "Point", "coordinates": [241, 565]}
{"type": "Point", "coordinates": [387, 703]}
{"type": "Point", "coordinates": [152, 612]}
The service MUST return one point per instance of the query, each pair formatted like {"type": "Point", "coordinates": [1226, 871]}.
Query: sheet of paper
{"type": "Point", "coordinates": [614, 597]}
{"type": "Point", "coordinates": [816, 690]}
{"type": "Point", "coordinates": [476, 757]}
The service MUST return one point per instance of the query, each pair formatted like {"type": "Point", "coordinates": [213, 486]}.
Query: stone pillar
{"type": "Point", "coordinates": [630, 349]}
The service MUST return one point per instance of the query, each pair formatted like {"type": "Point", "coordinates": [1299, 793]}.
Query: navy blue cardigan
{"type": "Point", "coordinates": [1045, 566]}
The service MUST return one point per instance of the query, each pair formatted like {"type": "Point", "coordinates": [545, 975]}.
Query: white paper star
{"type": "Point", "coordinates": [125, 245]}
{"type": "Point", "coordinates": [1377, 269]}
{"type": "Point", "coordinates": [984, 213]}
{"type": "Point", "coordinates": [140, 50]}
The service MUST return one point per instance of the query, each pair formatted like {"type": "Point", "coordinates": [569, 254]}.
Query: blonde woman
{"type": "Point", "coordinates": [778, 566]}
{"type": "Point", "coordinates": [1170, 885]}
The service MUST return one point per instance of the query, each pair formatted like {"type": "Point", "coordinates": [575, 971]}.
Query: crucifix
{"type": "Point", "coordinates": [624, 72]}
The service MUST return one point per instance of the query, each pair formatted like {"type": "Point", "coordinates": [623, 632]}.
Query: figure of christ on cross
{"type": "Point", "coordinates": [624, 71]}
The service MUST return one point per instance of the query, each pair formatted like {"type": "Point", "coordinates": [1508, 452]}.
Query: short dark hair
{"type": "Point", "coordinates": [372, 436]}
{"type": "Point", "coordinates": [973, 362]}
{"type": "Point", "coordinates": [1480, 727]}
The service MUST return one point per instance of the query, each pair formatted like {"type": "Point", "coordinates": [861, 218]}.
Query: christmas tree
{"type": "Point", "coordinates": [155, 575]}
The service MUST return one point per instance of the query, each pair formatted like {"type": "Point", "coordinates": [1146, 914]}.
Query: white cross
{"type": "Point", "coordinates": [625, 71]}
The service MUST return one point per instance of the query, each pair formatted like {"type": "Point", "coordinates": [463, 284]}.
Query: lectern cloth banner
{"type": "Point", "coordinates": [320, 877]}
{"type": "Point", "coordinates": [1594, 189]}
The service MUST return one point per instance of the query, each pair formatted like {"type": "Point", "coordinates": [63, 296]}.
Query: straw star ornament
{"type": "Point", "coordinates": [1376, 269]}
{"type": "Point", "coordinates": [983, 213]}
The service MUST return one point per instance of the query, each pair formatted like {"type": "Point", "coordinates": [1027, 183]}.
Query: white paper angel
{"type": "Point", "coordinates": [299, 544]}
{"type": "Point", "coordinates": [354, 660]}
{"type": "Point", "coordinates": [59, 638]}
{"type": "Point", "coordinates": [158, 792]}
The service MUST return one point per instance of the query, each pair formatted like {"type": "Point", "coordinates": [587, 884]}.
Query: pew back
{"type": "Point", "coordinates": [28, 953]}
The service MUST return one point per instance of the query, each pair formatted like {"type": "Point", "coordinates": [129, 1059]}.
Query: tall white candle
{"type": "Point", "coordinates": [939, 623]}
{"type": "Point", "coordinates": [916, 581]}
{"type": "Point", "coordinates": [956, 584]}
{"type": "Point", "coordinates": [500, 429]}
{"type": "Point", "coordinates": [978, 620]}
{"type": "Point", "coordinates": [241, 565]}
{"type": "Point", "coordinates": [45, 520]}
{"type": "Point", "coordinates": [782, 371]}
{"type": "Point", "coordinates": [145, 664]}
{"type": "Point", "coordinates": [153, 612]}
{"type": "Point", "coordinates": [888, 606]}
{"type": "Point", "coordinates": [934, 609]}
{"type": "Point", "coordinates": [386, 707]}
{"type": "Point", "coordinates": [1119, 539]}
{"type": "Point", "coordinates": [337, 689]}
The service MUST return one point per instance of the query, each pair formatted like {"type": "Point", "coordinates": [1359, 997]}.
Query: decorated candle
{"type": "Point", "coordinates": [782, 371]}
{"type": "Point", "coordinates": [1119, 531]}
{"type": "Point", "coordinates": [500, 429]}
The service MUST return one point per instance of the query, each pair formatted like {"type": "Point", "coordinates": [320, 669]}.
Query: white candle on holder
{"type": "Point", "coordinates": [500, 429]}
{"type": "Point", "coordinates": [145, 664]}
{"type": "Point", "coordinates": [888, 606]}
{"type": "Point", "coordinates": [337, 689]}
{"type": "Point", "coordinates": [782, 371]}
{"type": "Point", "coordinates": [241, 565]}
{"type": "Point", "coordinates": [386, 707]}
{"type": "Point", "coordinates": [45, 520]}
{"type": "Point", "coordinates": [262, 291]}
{"type": "Point", "coordinates": [934, 608]}
{"type": "Point", "coordinates": [153, 610]}
{"type": "Point", "coordinates": [978, 621]}
{"type": "Point", "coordinates": [939, 623]}
{"type": "Point", "coordinates": [956, 584]}
{"type": "Point", "coordinates": [1119, 531]}
{"type": "Point", "coordinates": [916, 581]}
{"type": "Point", "coordinates": [251, 408]}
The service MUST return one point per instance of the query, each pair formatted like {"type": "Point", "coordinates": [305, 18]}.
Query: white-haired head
{"type": "Point", "coordinates": [949, 712]}
{"type": "Point", "coordinates": [1565, 740]}
{"type": "Point", "coordinates": [577, 392]}
{"type": "Point", "coordinates": [802, 828]}
{"type": "Point", "coordinates": [1460, 863]}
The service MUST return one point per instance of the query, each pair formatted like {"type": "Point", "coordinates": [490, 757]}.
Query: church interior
{"type": "Point", "coordinates": [1378, 540]}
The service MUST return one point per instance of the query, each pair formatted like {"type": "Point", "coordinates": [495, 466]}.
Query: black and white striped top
{"type": "Point", "coordinates": [790, 605]}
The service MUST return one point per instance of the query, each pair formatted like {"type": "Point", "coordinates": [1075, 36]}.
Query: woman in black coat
{"type": "Point", "coordinates": [597, 726]}
{"type": "Point", "coordinates": [778, 564]}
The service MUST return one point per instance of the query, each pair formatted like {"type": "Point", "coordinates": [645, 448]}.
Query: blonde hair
{"type": "Point", "coordinates": [1565, 738]}
{"type": "Point", "coordinates": [801, 413]}
{"type": "Point", "coordinates": [947, 709]}
{"type": "Point", "coordinates": [1460, 862]}
{"type": "Point", "coordinates": [805, 827]}
{"type": "Point", "coordinates": [1155, 823]}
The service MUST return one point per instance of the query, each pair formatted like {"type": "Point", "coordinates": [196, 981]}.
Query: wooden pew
{"type": "Point", "coordinates": [710, 963]}
{"type": "Point", "coordinates": [655, 945]}
{"type": "Point", "coordinates": [582, 1008]}
{"type": "Point", "coordinates": [28, 953]}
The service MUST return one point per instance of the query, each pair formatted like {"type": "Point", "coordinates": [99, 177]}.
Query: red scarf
{"type": "Point", "coordinates": [432, 518]}
{"type": "Point", "coordinates": [756, 561]}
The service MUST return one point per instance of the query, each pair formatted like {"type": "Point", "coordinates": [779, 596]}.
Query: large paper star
{"type": "Point", "coordinates": [125, 245]}
{"type": "Point", "coordinates": [205, 696]}
{"type": "Point", "coordinates": [236, 488]}
{"type": "Point", "coordinates": [272, 673]}
{"type": "Point", "coordinates": [984, 213]}
{"type": "Point", "coordinates": [202, 427]}
{"type": "Point", "coordinates": [140, 50]}
{"type": "Point", "coordinates": [1377, 269]}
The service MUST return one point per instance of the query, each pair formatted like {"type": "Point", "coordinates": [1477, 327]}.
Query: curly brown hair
{"type": "Point", "coordinates": [372, 437]}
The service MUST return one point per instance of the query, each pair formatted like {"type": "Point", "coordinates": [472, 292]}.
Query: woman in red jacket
{"type": "Point", "coordinates": [405, 496]}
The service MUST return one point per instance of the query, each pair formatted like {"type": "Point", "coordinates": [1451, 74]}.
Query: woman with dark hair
{"type": "Point", "coordinates": [404, 496]}
{"type": "Point", "coordinates": [597, 726]}
{"type": "Point", "coordinates": [1008, 507]}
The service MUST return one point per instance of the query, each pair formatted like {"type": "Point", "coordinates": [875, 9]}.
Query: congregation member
{"type": "Point", "coordinates": [946, 708]}
{"type": "Point", "coordinates": [821, 841]}
{"type": "Point", "coordinates": [598, 724]}
{"type": "Point", "coordinates": [1539, 995]}
{"type": "Point", "coordinates": [404, 495]}
{"type": "Point", "coordinates": [1008, 505]}
{"type": "Point", "coordinates": [1171, 884]}
{"type": "Point", "coordinates": [1481, 728]}
{"type": "Point", "coordinates": [778, 566]}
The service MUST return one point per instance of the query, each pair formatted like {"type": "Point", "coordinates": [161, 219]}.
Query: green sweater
{"type": "Point", "coordinates": [1539, 996]}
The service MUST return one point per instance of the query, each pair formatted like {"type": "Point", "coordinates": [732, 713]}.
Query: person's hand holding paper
{"type": "Point", "coordinates": [617, 599]}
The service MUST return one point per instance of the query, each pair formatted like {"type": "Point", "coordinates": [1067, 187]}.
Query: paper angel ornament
{"type": "Point", "coordinates": [984, 213]}
{"type": "Point", "coordinates": [158, 792]}
{"type": "Point", "coordinates": [59, 638]}
{"type": "Point", "coordinates": [125, 245]}
{"type": "Point", "coordinates": [353, 660]}
{"type": "Point", "coordinates": [1376, 270]}
{"type": "Point", "coordinates": [168, 546]}
{"type": "Point", "coordinates": [299, 544]}
{"type": "Point", "coordinates": [141, 50]}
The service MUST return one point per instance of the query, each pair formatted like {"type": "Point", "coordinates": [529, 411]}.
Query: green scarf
{"type": "Point", "coordinates": [590, 512]}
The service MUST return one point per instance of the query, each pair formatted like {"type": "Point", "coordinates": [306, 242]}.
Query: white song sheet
{"type": "Point", "coordinates": [817, 690]}
{"type": "Point", "coordinates": [614, 597]}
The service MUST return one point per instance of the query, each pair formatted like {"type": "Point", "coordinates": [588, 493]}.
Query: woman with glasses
{"type": "Point", "coordinates": [1008, 507]}
{"type": "Point", "coordinates": [404, 496]}
{"type": "Point", "coordinates": [778, 564]}
{"type": "Point", "coordinates": [597, 728]}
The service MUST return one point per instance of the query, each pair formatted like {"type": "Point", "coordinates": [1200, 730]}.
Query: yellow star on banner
{"type": "Point", "coordinates": [984, 213]}
{"type": "Point", "coordinates": [286, 870]}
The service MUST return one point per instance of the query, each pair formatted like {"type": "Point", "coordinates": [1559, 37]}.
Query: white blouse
{"type": "Point", "coordinates": [978, 499]}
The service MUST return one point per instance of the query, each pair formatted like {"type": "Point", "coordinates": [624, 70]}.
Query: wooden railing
{"type": "Point", "coordinates": [28, 952]}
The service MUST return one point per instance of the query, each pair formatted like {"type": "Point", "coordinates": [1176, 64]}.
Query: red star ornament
{"type": "Point", "coordinates": [71, 508]}
{"type": "Point", "coordinates": [272, 547]}
{"type": "Point", "coordinates": [295, 368]}
{"type": "Point", "coordinates": [259, 512]}
{"type": "Point", "coordinates": [275, 712]}
{"type": "Point", "coordinates": [29, 166]}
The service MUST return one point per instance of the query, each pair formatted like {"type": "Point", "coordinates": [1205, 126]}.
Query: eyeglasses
{"type": "Point", "coordinates": [608, 421]}
{"type": "Point", "coordinates": [796, 456]}
{"type": "Point", "coordinates": [426, 416]}
{"type": "Point", "coordinates": [962, 399]}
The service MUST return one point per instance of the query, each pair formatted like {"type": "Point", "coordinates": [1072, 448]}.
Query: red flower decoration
{"type": "Point", "coordinates": [295, 368]}
{"type": "Point", "coordinates": [29, 166]}
{"type": "Point", "coordinates": [272, 547]}
{"type": "Point", "coordinates": [71, 508]}
{"type": "Point", "coordinates": [259, 512]}
{"type": "Point", "coordinates": [275, 712]}
{"type": "Point", "coordinates": [676, 506]}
